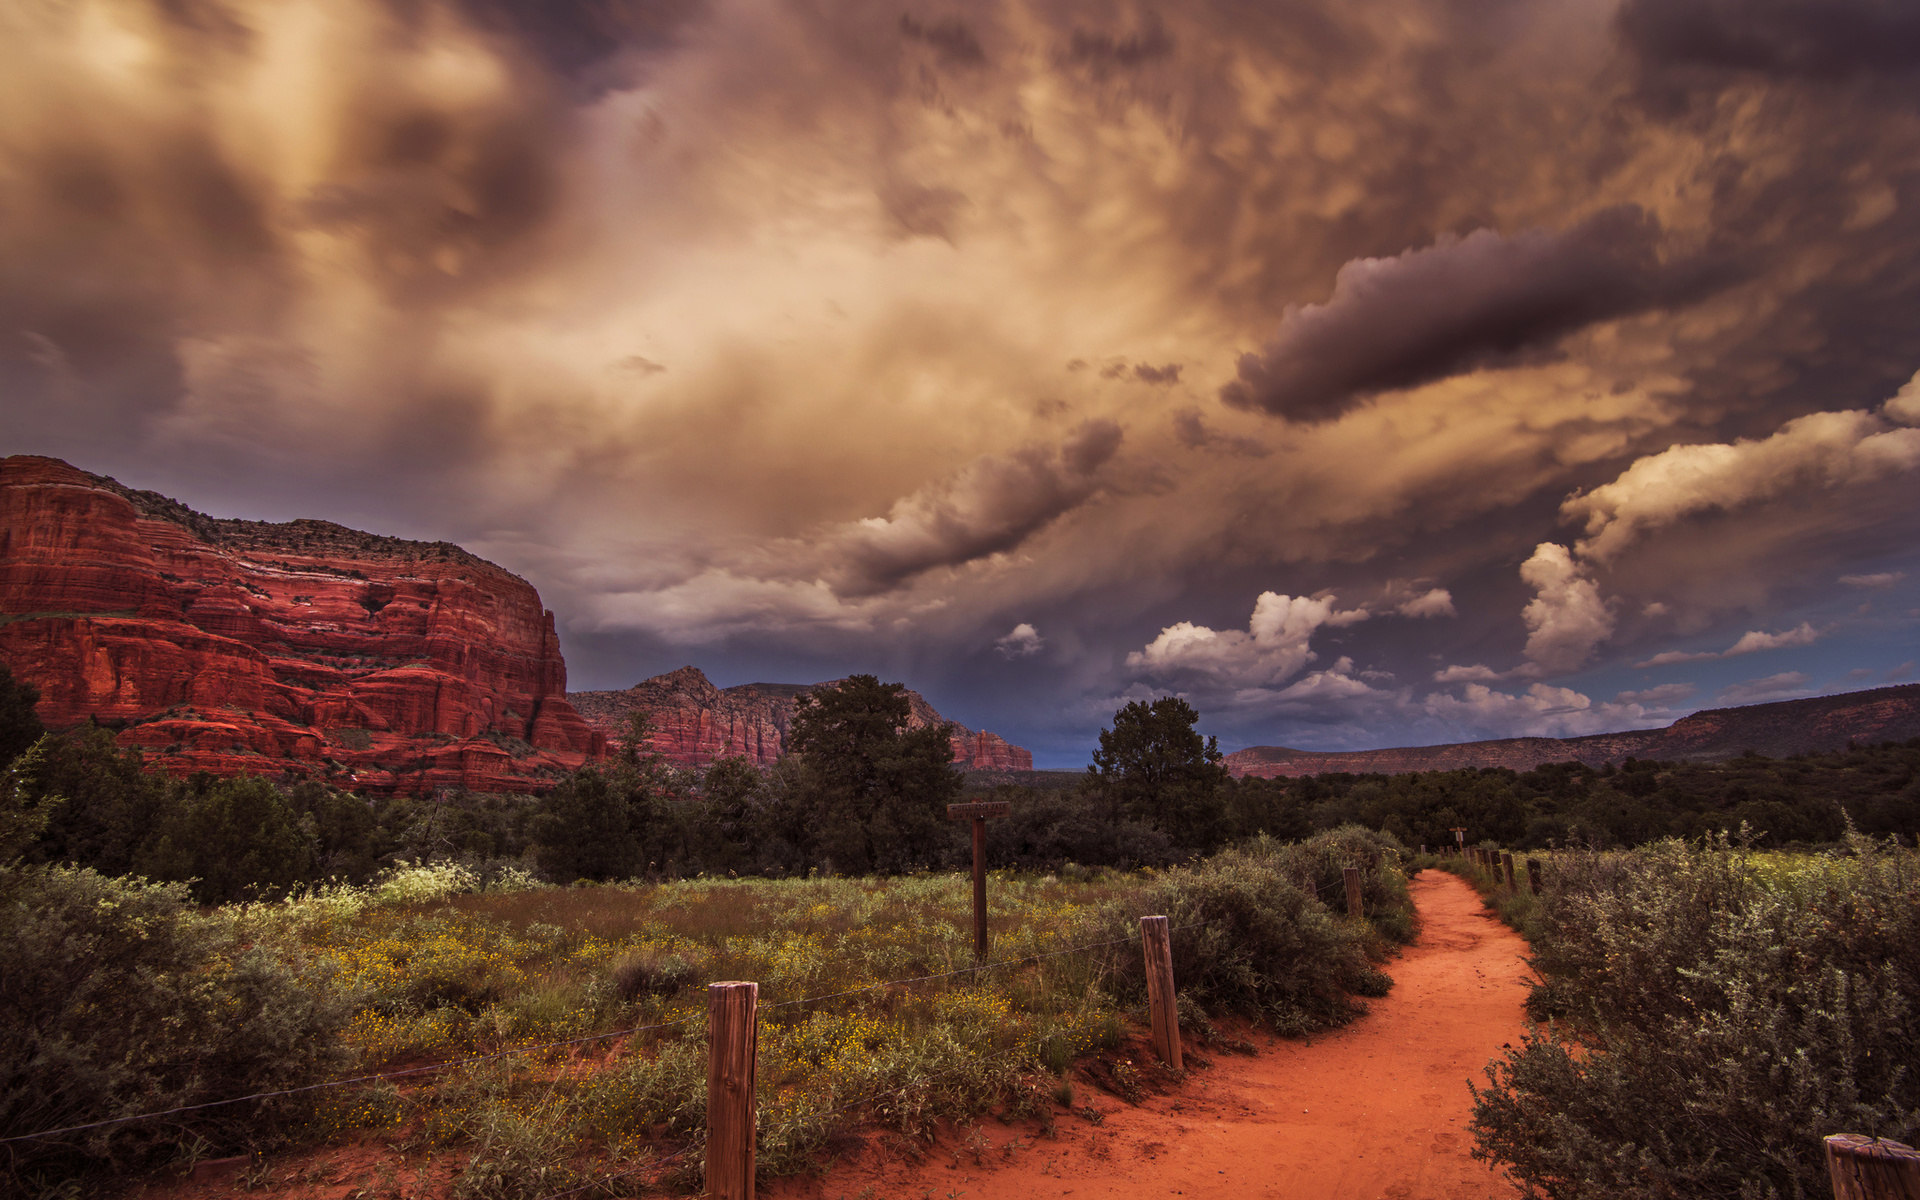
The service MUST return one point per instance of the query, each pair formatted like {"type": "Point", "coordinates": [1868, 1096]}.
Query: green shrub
{"type": "Point", "coordinates": [1728, 1015]}
{"type": "Point", "coordinates": [117, 999]}
{"type": "Point", "coordinates": [1246, 936]}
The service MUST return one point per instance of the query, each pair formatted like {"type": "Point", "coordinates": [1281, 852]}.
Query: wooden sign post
{"type": "Point", "coordinates": [1460, 838]}
{"type": "Point", "coordinates": [978, 812]}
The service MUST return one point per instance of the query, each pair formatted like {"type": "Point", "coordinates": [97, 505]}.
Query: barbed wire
{"type": "Point", "coordinates": [554, 1045]}
{"type": "Point", "coordinates": [334, 1083]}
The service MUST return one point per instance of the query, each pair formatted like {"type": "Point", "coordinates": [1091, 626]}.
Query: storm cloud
{"type": "Point", "coordinates": [1555, 339]}
{"type": "Point", "coordinates": [1458, 304]}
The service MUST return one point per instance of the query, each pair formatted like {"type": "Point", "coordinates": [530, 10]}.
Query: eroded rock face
{"type": "Point", "coordinates": [1819, 724]}
{"type": "Point", "coordinates": [696, 723]}
{"type": "Point", "coordinates": [303, 648]}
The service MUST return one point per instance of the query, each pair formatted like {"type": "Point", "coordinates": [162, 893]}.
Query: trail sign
{"type": "Point", "coordinates": [978, 811]}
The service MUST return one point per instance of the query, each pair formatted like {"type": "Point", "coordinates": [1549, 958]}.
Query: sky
{"type": "Point", "coordinates": [1367, 372]}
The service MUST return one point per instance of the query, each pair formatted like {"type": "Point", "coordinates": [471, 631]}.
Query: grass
{"type": "Point", "coordinates": [871, 1013]}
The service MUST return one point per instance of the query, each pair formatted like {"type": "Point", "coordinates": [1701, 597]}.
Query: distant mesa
{"type": "Point", "coordinates": [696, 723]}
{"type": "Point", "coordinates": [301, 649]}
{"type": "Point", "coordinates": [1821, 724]}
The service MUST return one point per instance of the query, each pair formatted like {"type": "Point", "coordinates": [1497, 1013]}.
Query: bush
{"type": "Point", "coordinates": [119, 999]}
{"type": "Point", "coordinates": [1733, 1011]}
{"type": "Point", "coordinates": [1247, 936]}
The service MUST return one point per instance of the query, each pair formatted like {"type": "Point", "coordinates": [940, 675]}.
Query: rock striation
{"type": "Point", "coordinates": [1819, 724]}
{"type": "Point", "coordinates": [696, 723]}
{"type": "Point", "coordinates": [299, 649]}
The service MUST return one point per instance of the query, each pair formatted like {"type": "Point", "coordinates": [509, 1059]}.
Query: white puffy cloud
{"type": "Point", "coordinates": [1567, 617]}
{"type": "Point", "coordinates": [1753, 641]}
{"type": "Point", "coordinates": [1437, 602]}
{"type": "Point", "coordinates": [1274, 647]}
{"type": "Point", "coordinates": [1477, 673]}
{"type": "Point", "coordinates": [1880, 579]}
{"type": "Point", "coordinates": [1905, 405]}
{"type": "Point", "coordinates": [1543, 710]}
{"type": "Point", "coordinates": [1023, 641]}
{"type": "Point", "coordinates": [1823, 449]}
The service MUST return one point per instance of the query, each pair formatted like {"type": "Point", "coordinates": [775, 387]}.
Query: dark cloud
{"type": "Point", "coordinates": [1193, 433]}
{"type": "Point", "coordinates": [1104, 51]}
{"type": "Point", "coordinates": [1814, 39]}
{"type": "Point", "coordinates": [1458, 304]}
{"type": "Point", "coordinates": [991, 506]}
{"type": "Point", "coordinates": [580, 40]}
{"type": "Point", "coordinates": [950, 39]}
{"type": "Point", "coordinates": [1170, 373]}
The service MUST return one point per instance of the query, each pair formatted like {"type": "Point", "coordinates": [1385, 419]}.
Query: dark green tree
{"type": "Point", "coordinates": [1155, 767]}
{"type": "Point", "coordinates": [584, 829]}
{"type": "Point", "coordinates": [233, 839]}
{"type": "Point", "coordinates": [114, 807]}
{"type": "Point", "coordinates": [873, 792]}
{"type": "Point", "coordinates": [19, 725]}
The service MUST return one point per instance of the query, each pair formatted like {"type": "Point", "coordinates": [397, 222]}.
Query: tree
{"type": "Point", "coordinates": [233, 839]}
{"type": "Point", "coordinates": [585, 827]}
{"type": "Point", "coordinates": [1154, 767]}
{"type": "Point", "coordinates": [874, 792]}
{"type": "Point", "coordinates": [19, 724]}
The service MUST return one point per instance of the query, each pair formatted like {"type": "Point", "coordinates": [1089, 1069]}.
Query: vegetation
{"type": "Point", "coordinates": [1711, 1013]}
{"type": "Point", "coordinates": [433, 963]}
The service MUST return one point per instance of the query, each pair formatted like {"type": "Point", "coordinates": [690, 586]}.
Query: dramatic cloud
{"type": "Point", "coordinates": [1273, 649]}
{"type": "Point", "coordinates": [1458, 304]}
{"type": "Point", "coordinates": [739, 327]}
{"type": "Point", "coordinates": [1023, 641]}
{"type": "Point", "coordinates": [991, 506]}
{"type": "Point", "coordinates": [1566, 618]}
{"type": "Point", "coordinates": [1818, 39]}
{"type": "Point", "coordinates": [1750, 642]}
{"type": "Point", "coordinates": [1820, 450]}
{"type": "Point", "coordinates": [1192, 431]}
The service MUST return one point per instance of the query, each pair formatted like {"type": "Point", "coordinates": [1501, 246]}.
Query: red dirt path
{"type": "Point", "coordinates": [1378, 1109]}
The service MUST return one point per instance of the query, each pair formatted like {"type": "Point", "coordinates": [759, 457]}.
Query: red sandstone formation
{"type": "Point", "coordinates": [696, 723]}
{"type": "Point", "coordinates": [303, 649]}
{"type": "Point", "coordinates": [1816, 725]}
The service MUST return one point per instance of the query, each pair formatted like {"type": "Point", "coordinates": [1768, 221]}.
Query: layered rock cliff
{"type": "Point", "coordinates": [298, 649]}
{"type": "Point", "coordinates": [696, 723]}
{"type": "Point", "coordinates": [1815, 725]}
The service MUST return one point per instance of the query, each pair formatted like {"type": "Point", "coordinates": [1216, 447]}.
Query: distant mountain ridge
{"type": "Point", "coordinates": [696, 723]}
{"type": "Point", "coordinates": [1814, 725]}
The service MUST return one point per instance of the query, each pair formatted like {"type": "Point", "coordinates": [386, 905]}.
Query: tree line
{"type": "Point", "coordinates": [859, 792]}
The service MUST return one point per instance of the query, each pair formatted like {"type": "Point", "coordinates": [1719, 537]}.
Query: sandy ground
{"type": "Point", "coordinates": [1378, 1109]}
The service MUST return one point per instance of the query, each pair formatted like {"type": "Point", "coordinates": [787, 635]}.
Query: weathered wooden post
{"type": "Point", "coordinates": [1352, 875]}
{"type": "Point", "coordinates": [1460, 839]}
{"type": "Point", "coordinates": [1533, 875]}
{"type": "Point", "coordinates": [1506, 868]}
{"type": "Point", "coordinates": [1162, 1003]}
{"type": "Point", "coordinates": [978, 811]}
{"type": "Point", "coordinates": [1872, 1168]}
{"type": "Point", "coordinates": [733, 1037]}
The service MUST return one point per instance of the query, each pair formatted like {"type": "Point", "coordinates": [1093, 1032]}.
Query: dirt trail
{"type": "Point", "coordinates": [1378, 1109]}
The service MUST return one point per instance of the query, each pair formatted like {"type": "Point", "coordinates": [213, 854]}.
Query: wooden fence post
{"type": "Point", "coordinates": [1162, 1002]}
{"type": "Point", "coordinates": [1872, 1168]}
{"type": "Point", "coordinates": [733, 1036]}
{"type": "Point", "coordinates": [1352, 875]}
{"type": "Point", "coordinates": [1533, 875]}
{"type": "Point", "coordinates": [1506, 868]}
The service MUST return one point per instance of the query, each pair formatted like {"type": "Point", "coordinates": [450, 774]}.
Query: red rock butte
{"type": "Point", "coordinates": [696, 723]}
{"type": "Point", "coordinates": [303, 649]}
